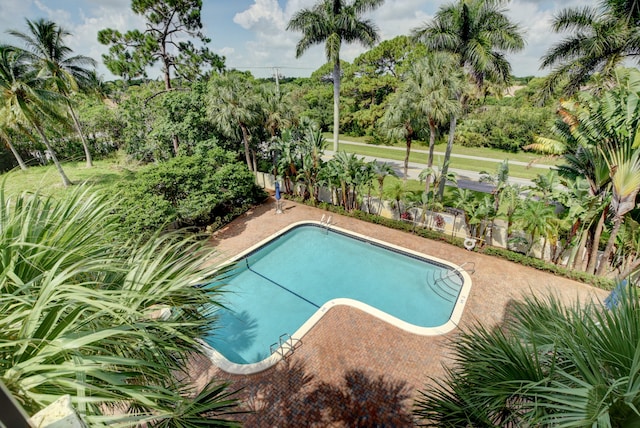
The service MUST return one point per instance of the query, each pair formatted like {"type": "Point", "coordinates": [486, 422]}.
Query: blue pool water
{"type": "Point", "coordinates": [278, 287]}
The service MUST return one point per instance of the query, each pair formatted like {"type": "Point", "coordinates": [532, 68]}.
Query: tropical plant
{"type": "Point", "coordinates": [24, 100]}
{"type": "Point", "coordinates": [64, 73]}
{"type": "Point", "coordinates": [624, 164]}
{"type": "Point", "coordinates": [334, 22]}
{"type": "Point", "coordinates": [234, 108]}
{"type": "Point", "coordinates": [346, 174]}
{"type": "Point", "coordinates": [535, 219]}
{"type": "Point", "coordinates": [111, 322]}
{"type": "Point", "coordinates": [312, 147]}
{"type": "Point", "coordinates": [171, 28]}
{"type": "Point", "coordinates": [602, 37]}
{"type": "Point", "coordinates": [549, 365]}
{"type": "Point", "coordinates": [480, 33]}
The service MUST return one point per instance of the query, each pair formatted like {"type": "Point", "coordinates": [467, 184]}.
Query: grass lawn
{"type": "Point", "coordinates": [460, 163]}
{"type": "Point", "coordinates": [45, 179]}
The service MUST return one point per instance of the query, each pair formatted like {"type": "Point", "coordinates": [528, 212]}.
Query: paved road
{"type": "Point", "coordinates": [454, 155]}
{"type": "Point", "coordinates": [466, 179]}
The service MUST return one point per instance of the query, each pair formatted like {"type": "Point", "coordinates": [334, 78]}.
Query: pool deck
{"type": "Point", "coordinates": [352, 364]}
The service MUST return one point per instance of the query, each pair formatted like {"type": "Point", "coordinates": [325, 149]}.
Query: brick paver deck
{"type": "Point", "coordinates": [352, 365]}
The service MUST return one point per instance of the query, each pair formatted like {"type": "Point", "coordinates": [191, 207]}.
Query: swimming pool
{"type": "Point", "coordinates": [282, 286]}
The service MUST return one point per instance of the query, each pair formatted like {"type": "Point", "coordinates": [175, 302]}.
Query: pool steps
{"type": "Point", "coordinates": [449, 284]}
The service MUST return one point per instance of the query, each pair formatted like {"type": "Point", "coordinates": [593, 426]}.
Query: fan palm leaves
{"type": "Point", "coordinates": [333, 22]}
{"type": "Point", "coordinates": [624, 164]}
{"type": "Point", "coordinates": [52, 58]}
{"type": "Point", "coordinates": [234, 108]}
{"type": "Point", "coordinates": [109, 322]}
{"type": "Point", "coordinates": [25, 100]}
{"type": "Point", "coordinates": [551, 365]}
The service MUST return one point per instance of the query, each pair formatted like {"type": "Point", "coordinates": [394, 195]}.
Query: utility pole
{"type": "Point", "coordinates": [276, 73]}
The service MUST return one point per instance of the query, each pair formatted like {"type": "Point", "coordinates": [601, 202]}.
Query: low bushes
{"type": "Point", "coordinates": [207, 189]}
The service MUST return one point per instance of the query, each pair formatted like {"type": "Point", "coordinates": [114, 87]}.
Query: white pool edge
{"type": "Point", "coordinates": [244, 369]}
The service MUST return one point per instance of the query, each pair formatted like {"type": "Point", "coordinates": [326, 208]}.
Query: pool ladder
{"type": "Point", "coordinates": [285, 346]}
{"type": "Point", "coordinates": [449, 284]}
{"type": "Point", "coordinates": [325, 222]}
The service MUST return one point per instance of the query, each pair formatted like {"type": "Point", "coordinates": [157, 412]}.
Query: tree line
{"type": "Point", "coordinates": [434, 83]}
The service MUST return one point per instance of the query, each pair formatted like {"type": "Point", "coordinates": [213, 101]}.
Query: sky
{"type": "Point", "coordinates": [252, 34]}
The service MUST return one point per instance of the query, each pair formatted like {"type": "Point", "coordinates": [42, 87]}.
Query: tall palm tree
{"type": "Point", "coordinates": [602, 37]}
{"type": "Point", "coordinates": [234, 108]}
{"type": "Point", "coordinates": [63, 72]}
{"type": "Point", "coordinates": [438, 81]}
{"type": "Point", "coordinates": [24, 99]}
{"type": "Point", "coordinates": [480, 33]}
{"type": "Point", "coordinates": [333, 22]}
{"type": "Point", "coordinates": [111, 322]}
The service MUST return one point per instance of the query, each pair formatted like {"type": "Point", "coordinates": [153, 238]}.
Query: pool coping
{"type": "Point", "coordinates": [289, 344]}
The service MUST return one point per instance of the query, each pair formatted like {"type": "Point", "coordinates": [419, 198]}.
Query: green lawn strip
{"type": "Point", "coordinates": [45, 179]}
{"type": "Point", "coordinates": [459, 163]}
{"type": "Point", "coordinates": [457, 149]}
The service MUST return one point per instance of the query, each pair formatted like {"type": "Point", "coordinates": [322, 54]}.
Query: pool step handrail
{"type": "Point", "coordinates": [470, 271]}
{"type": "Point", "coordinates": [285, 346]}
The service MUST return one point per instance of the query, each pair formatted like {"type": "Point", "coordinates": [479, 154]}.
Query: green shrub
{"type": "Point", "coordinates": [188, 191]}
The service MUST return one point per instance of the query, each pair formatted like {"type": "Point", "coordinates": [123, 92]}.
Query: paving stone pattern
{"type": "Point", "coordinates": [353, 369]}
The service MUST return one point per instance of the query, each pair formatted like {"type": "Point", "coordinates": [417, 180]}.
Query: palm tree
{"type": "Point", "coordinates": [279, 111]}
{"type": "Point", "coordinates": [535, 219]}
{"type": "Point", "coordinates": [603, 36]}
{"type": "Point", "coordinates": [64, 73]}
{"type": "Point", "coordinates": [624, 164]}
{"type": "Point", "coordinates": [111, 322]}
{"type": "Point", "coordinates": [234, 107]}
{"type": "Point", "coordinates": [549, 365]}
{"type": "Point", "coordinates": [24, 99]}
{"type": "Point", "coordinates": [436, 81]}
{"type": "Point", "coordinates": [6, 135]}
{"type": "Point", "coordinates": [480, 33]}
{"type": "Point", "coordinates": [402, 120]}
{"type": "Point", "coordinates": [312, 147]}
{"type": "Point", "coordinates": [427, 97]}
{"type": "Point", "coordinates": [333, 22]}
{"type": "Point", "coordinates": [381, 171]}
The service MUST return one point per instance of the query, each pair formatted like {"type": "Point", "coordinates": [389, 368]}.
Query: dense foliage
{"type": "Point", "coordinates": [207, 188]}
{"type": "Point", "coordinates": [108, 320]}
{"type": "Point", "coordinates": [548, 365]}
